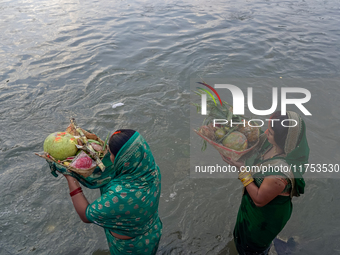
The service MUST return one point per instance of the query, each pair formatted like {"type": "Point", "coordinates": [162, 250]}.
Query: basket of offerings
{"type": "Point", "coordinates": [75, 150]}
{"type": "Point", "coordinates": [232, 141]}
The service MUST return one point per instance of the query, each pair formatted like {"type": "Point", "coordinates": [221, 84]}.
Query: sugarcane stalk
{"type": "Point", "coordinates": [87, 147]}
{"type": "Point", "coordinates": [106, 140]}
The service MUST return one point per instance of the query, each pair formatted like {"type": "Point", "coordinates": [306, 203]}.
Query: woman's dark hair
{"type": "Point", "coordinates": [280, 132]}
{"type": "Point", "coordinates": [119, 138]}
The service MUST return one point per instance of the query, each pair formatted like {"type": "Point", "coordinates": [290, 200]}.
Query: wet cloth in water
{"type": "Point", "coordinates": [256, 227]}
{"type": "Point", "coordinates": [130, 190]}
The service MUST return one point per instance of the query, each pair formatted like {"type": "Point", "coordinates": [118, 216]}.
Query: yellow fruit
{"type": "Point", "coordinates": [219, 133]}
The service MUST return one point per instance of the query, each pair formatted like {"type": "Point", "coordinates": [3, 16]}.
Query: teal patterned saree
{"type": "Point", "coordinates": [129, 202]}
{"type": "Point", "coordinates": [130, 190]}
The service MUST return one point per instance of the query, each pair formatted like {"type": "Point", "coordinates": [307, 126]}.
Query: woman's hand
{"type": "Point", "coordinates": [70, 178]}
{"type": "Point", "coordinates": [232, 162]}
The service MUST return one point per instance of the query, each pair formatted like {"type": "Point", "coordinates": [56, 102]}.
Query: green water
{"type": "Point", "coordinates": [62, 59]}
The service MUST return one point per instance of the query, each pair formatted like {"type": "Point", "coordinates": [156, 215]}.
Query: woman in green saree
{"type": "Point", "coordinates": [130, 189]}
{"type": "Point", "coordinates": [266, 202]}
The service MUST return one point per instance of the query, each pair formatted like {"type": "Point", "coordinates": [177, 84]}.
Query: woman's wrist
{"type": "Point", "coordinates": [76, 191]}
{"type": "Point", "coordinates": [246, 178]}
{"type": "Point", "coordinates": [70, 178]}
{"type": "Point", "coordinates": [72, 182]}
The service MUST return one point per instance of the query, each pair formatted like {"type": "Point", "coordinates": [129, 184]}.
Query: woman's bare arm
{"type": "Point", "coordinates": [269, 189]}
{"type": "Point", "coordinates": [79, 201]}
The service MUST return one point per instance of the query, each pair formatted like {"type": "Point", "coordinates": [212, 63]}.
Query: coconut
{"type": "Point", "coordinates": [60, 145]}
{"type": "Point", "coordinates": [251, 132]}
{"type": "Point", "coordinates": [236, 141]}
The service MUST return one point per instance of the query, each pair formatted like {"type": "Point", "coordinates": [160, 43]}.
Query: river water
{"type": "Point", "coordinates": [69, 58]}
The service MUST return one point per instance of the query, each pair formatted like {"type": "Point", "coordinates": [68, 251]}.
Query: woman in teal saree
{"type": "Point", "coordinates": [130, 189]}
{"type": "Point", "coordinates": [266, 203]}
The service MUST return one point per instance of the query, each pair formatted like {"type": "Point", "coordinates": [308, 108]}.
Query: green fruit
{"type": "Point", "coordinates": [219, 133]}
{"type": "Point", "coordinates": [236, 141]}
{"type": "Point", "coordinates": [60, 145]}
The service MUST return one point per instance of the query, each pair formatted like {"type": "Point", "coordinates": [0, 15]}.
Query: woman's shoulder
{"type": "Point", "coordinates": [279, 168]}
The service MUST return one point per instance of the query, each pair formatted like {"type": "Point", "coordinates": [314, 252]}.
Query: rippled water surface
{"type": "Point", "coordinates": [68, 58]}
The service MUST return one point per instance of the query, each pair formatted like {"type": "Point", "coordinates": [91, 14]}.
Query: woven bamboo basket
{"type": "Point", "coordinates": [83, 172]}
{"type": "Point", "coordinates": [225, 151]}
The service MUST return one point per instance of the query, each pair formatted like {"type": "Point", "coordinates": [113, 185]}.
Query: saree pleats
{"type": "Point", "coordinates": [140, 245]}
{"type": "Point", "coordinates": [256, 227]}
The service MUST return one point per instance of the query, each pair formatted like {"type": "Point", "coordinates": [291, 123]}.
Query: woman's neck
{"type": "Point", "coordinates": [277, 150]}
{"type": "Point", "coordinates": [272, 152]}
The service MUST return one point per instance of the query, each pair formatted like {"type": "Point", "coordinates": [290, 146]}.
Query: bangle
{"type": "Point", "coordinates": [246, 183]}
{"type": "Point", "coordinates": [243, 175]}
{"type": "Point", "coordinates": [76, 191]}
{"type": "Point", "coordinates": [246, 178]}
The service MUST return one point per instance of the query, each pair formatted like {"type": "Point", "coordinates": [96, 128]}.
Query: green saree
{"type": "Point", "coordinates": [256, 227]}
{"type": "Point", "coordinates": [130, 190]}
